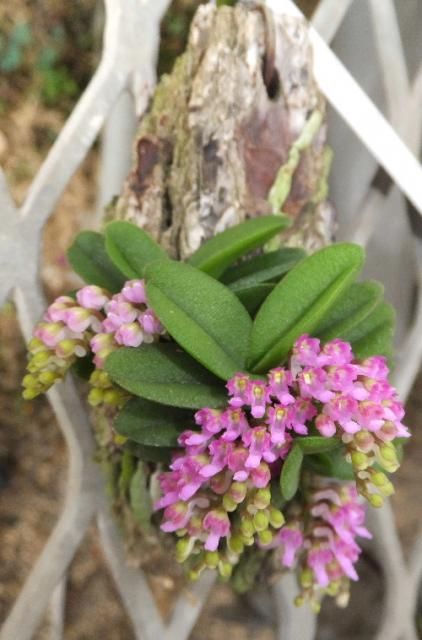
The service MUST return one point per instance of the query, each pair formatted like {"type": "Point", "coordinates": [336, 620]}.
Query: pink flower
{"type": "Point", "coordinates": [325, 425]}
{"type": "Point", "coordinates": [238, 388]}
{"type": "Point", "coordinates": [278, 419]}
{"type": "Point", "coordinates": [129, 335]}
{"type": "Point", "coordinates": [176, 516]}
{"type": "Point", "coordinates": [306, 351]}
{"type": "Point", "coordinates": [313, 383]}
{"type": "Point", "coordinates": [234, 423]}
{"type": "Point", "coordinates": [150, 323]}
{"type": "Point", "coordinates": [92, 297]}
{"type": "Point", "coordinates": [318, 559]}
{"type": "Point", "coordinates": [134, 291]}
{"type": "Point", "coordinates": [279, 382]}
{"type": "Point", "coordinates": [218, 524]}
{"type": "Point", "coordinates": [258, 441]}
{"type": "Point", "coordinates": [257, 398]}
{"type": "Point", "coordinates": [291, 539]}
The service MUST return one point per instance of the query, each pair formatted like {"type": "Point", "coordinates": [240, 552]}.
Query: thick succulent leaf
{"type": "Point", "coordinates": [351, 309]}
{"type": "Point", "coordinates": [163, 373]}
{"type": "Point", "coordinates": [201, 314]}
{"type": "Point", "coordinates": [218, 253]}
{"type": "Point", "coordinates": [290, 472]}
{"type": "Point", "coordinates": [130, 248]}
{"type": "Point", "coordinates": [331, 464]}
{"type": "Point", "coordinates": [252, 296]}
{"type": "Point", "coordinates": [317, 444]}
{"type": "Point", "coordinates": [374, 335]}
{"type": "Point", "coordinates": [300, 301]}
{"type": "Point", "coordinates": [89, 259]}
{"type": "Point", "coordinates": [140, 499]}
{"type": "Point", "coordinates": [268, 267]}
{"type": "Point", "coordinates": [152, 424]}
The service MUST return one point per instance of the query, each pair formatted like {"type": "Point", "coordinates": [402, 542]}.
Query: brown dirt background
{"type": "Point", "coordinates": [32, 451]}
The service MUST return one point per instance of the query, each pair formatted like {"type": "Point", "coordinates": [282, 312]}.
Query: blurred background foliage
{"type": "Point", "coordinates": [48, 48]}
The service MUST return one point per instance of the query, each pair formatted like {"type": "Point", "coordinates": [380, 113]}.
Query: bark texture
{"type": "Point", "coordinates": [220, 128]}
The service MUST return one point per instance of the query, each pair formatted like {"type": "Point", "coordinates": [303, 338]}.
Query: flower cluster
{"type": "Point", "coordinates": [95, 321]}
{"type": "Point", "coordinates": [217, 494]}
{"type": "Point", "coordinates": [322, 543]}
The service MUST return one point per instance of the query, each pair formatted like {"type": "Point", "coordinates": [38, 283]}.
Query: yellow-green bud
{"type": "Point", "coordinates": [248, 541]}
{"type": "Point", "coordinates": [228, 503]}
{"type": "Point", "coordinates": [265, 537]}
{"type": "Point", "coordinates": [262, 498]}
{"type": "Point", "coordinates": [66, 348]}
{"type": "Point", "coordinates": [247, 528]}
{"type": "Point", "coordinates": [276, 518]}
{"type": "Point", "coordinates": [48, 378]}
{"type": "Point", "coordinates": [183, 549]}
{"type": "Point", "coordinates": [261, 521]}
{"type": "Point", "coordinates": [235, 544]}
{"type": "Point", "coordinates": [360, 460]}
{"type": "Point", "coordinates": [112, 397]}
{"type": "Point", "coordinates": [30, 394]}
{"type": "Point", "coordinates": [333, 588]}
{"type": "Point", "coordinates": [30, 380]}
{"type": "Point", "coordinates": [375, 500]}
{"type": "Point", "coordinates": [237, 491]}
{"type": "Point", "coordinates": [225, 569]}
{"type": "Point", "coordinates": [40, 359]}
{"type": "Point", "coordinates": [387, 457]}
{"type": "Point", "coordinates": [212, 558]}
{"type": "Point", "coordinates": [95, 397]}
{"type": "Point", "coordinates": [306, 578]}
{"type": "Point", "coordinates": [35, 344]}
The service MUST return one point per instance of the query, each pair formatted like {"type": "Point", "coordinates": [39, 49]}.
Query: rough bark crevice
{"type": "Point", "coordinates": [219, 128]}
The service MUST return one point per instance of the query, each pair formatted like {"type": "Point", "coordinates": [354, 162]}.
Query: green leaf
{"type": "Point", "coordinates": [130, 248]}
{"type": "Point", "coordinates": [152, 424]}
{"type": "Point", "coordinates": [252, 297]}
{"type": "Point", "coordinates": [155, 454]}
{"type": "Point", "coordinates": [351, 309]}
{"type": "Point", "coordinates": [201, 314]}
{"type": "Point", "coordinates": [140, 499]}
{"type": "Point", "coordinates": [215, 255]}
{"type": "Point", "coordinates": [290, 472]}
{"type": "Point", "coordinates": [331, 465]}
{"type": "Point", "coordinates": [374, 335]}
{"type": "Point", "coordinates": [163, 373]}
{"type": "Point", "coordinates": [317, 444]}
{"type": "Point", "coordinates": [268, 267]}
{"type": "Point", "coordinates": [300, 301]}
{"type": "Point", "coordinates": [89, 259]}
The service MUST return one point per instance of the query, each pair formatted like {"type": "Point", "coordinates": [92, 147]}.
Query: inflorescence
{"type": "Point", "coordinates": [218, 495]}
{"type": "Point", "coordinates": [96, 322]}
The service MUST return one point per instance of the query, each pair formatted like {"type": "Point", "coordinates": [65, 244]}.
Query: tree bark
{"type": "Point", "coordinates": [223, 125]}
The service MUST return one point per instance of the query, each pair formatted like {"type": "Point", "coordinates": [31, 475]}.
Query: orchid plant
{"type": "Point", "coordinates": [253, 385]}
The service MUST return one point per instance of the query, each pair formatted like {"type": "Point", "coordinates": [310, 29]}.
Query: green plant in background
{"type": "Point", "coordinates": [14, 46]}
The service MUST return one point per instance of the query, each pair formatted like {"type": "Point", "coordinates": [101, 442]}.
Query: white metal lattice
{"type": "Point", "coordinates": [128, 63]}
